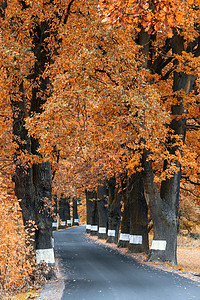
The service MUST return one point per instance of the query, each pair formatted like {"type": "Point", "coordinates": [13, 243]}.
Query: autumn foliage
{"type": "Point", "coordinates": [106, 105]}
{"type": "Point", "coordinates": [101, 88]}
{"type": "Point", "coordinates": [16, 253]}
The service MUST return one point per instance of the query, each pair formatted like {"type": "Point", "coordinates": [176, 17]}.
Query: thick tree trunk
{"type": "Point", "coordinates": [75, 213]}
{"type": "Point", "coordinates": [88, 211]}
{"type": "Point", "coordinates": [114, 211]}
{"type": "Point", "coordinates": [42, 199]}
{"type": "Point", "coordinates": [42, 177]}
{"type": "Point", "coordinates": [55, 212]}
{"type": "Point", "coordinates": [94, 218]}
{"type": "Point", "coordinates": [63, 211]}
{"type": "Point", "coordinates": [33, 186]}
{"type": "Point", "coordinates": [164, 205]}
{"type": "Point", "coordinates": [138, 215]}
{"type": "Point", "coordinates": [125, 222]}
{"type": "Point", "coordinates": [23, 172]}
{"type": "Point", "coordinates": [91, 213]}
{"type": "Point", "coordinates": [68, 217]}
{"type": "Point", "coordinates": [102, 202]}
{"type": "Point", "coordinates": [42, 182]}
{"type": "Point", "coordinates": [163, 213]}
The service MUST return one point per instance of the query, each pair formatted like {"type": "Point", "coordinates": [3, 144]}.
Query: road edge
{"type": "Point", "coordinates": [141, 258]}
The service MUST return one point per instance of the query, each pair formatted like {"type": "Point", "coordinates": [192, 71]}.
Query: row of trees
{"type": "Point", "coordinates": [62, 212]}
{"type": "Point", "coordinates": [125, 100]}
{"type": "Point", "coordinates": [110, 210]}
{"type": "Point", "coordinates": [101, 91]}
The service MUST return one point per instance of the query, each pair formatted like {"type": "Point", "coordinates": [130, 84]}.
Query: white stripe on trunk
{"type": "Point", "coordinates": [135, 239]}
{"type": "Point", "coordinates": [111, 232]}
{"type": "Point", "coordinates": [158, 245]}
{"type": "Point", "coordinates": [88, 226]}
{"type": "Point", "coordinates": [94, 228]}
{"type": "Point", "coordinates": [54, 224]}
{"type": "Point", "coordinates": [124, 237]}
{"type": "Point", "coordinates": [69, 222]}
{"type": "Point", "coordinates": [76, 220]}
{"type": "Point", "coordinates": [102, 229]}
{"type": "Point", "coordinates": [46, 255]}
{"type": "Point", "coordinates": [63, 223]}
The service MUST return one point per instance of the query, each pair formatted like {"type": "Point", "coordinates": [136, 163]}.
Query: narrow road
{"type": "Point", "coordinates": [92, 271]}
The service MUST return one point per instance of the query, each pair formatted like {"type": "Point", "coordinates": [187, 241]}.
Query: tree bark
{"type": "Point", "coordinates": [42, 199]}
{"type": "Point", "coordinates": [42, 177]}
{"type": "Point", "coordinates": [139, 241]}
{"type": "Point", "coordinates": [68, 217]}
{"type": "Point", "coordinates": [75, 213]}
{"type": "Point", "coordinates": [114, 211]}
{"type": "Point", "coordinates": [164, 206]}
{"type": "Point", "coordinates": [94, 217]}
{"type": "Point", "coordinates": [32, 184]}
{"type": "Point", "coordinates": [22, 178]}
{"type": "Point", "coordinates": [91, 212]}
{"type": "Point", "coordinates": [88, 211]}
{"type": "Point", "coordinates": [55, 212]}
{"type": "Point", "coordinates": [125, 222]}
{"type": "Point", "coordinates": [63, 211]}
{"type": "Point", "coordinates": [102, 202]}
{"type": "Point", "coordinates": [163, 213]}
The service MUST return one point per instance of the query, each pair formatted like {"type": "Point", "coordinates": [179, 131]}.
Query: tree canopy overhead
{"type": "Point", "coordinates": [103, 88]}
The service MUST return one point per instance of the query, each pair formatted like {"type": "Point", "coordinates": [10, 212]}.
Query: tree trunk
{"type": "Point", "coordinates": [75, 213]}
{"type": "Point", "coordinates": [125, 222]}
{"type": "Point", "coordinates": [163, 213]}
{"type": "Point", "coordinates": [42, 177]}
{"type": "Point", "coordinates": [102, 195]}
{"type": "Point", "coordinates": [23, 172]}
{"type": "Point", "coordinates": [164, 206]}
{"type": "Point", "coordinates": [68, 217]}
{"type": "Point", "coordinates": [55, 212]}
{"type": "Point", "coordinates": [42, 199]}
{"type": "Point", "coordinates": [92, 222]}
{"type": "Point", "coordinates": [42, 182]}
{"type": "Point", "coordinates": [63, 212]}
{"type": "Point", "coordinates": [33, 186]}
{"type": "Point", "coordinates": [138, 215]}
{"type": "Point", "coordinates": [114, 211]}
{"type": "Point", "coordinates": [94, 217]}
{"type": "Point", "coordinates": [88, 211]}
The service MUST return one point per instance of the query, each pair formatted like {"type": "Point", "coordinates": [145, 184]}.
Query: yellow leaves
{"type": "Point", "coordinates": [14, 248]}
{"type": "Point", "coordinates": [161, 15]}
{"type": "Point", "coordinates": [100, 97]}
{"type": "Point", "coordinates": [170, 33]}
{"type": "Point", "coordinates": [187, 63]}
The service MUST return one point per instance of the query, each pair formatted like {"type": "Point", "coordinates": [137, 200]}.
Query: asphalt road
{"type": "Point", "coordinates": [92, 271]}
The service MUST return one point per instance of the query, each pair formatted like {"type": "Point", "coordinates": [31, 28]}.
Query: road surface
{"type": "Point", "coordinates": [93, 271]}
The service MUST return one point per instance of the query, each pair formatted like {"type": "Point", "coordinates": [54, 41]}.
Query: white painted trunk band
{"type": "Point", "coordinates": [46, 255]}
{"type": "Point", "coordinates": [69, 222]}
{"type": "Point", "coordinates": [158, 245]}
{"type": "Point", "coordinates": [102, 229]}
{"type": "Point", "coordinates": [124, 237]}
{"type": "Point", "coordinates": [111, 232]}
{"type": "Point", "coordinates": [88, 226]}
{"type": "Point", "coordinates": [63, 223]}
{"type": "Point", "coordinates": [135, 239]}
{"type": "Point", "coordinates": [94, 228]}
{"type": "Point", "coordinates": [76, 220]}
{"type": "Point", "coordinates": [54, 224]}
